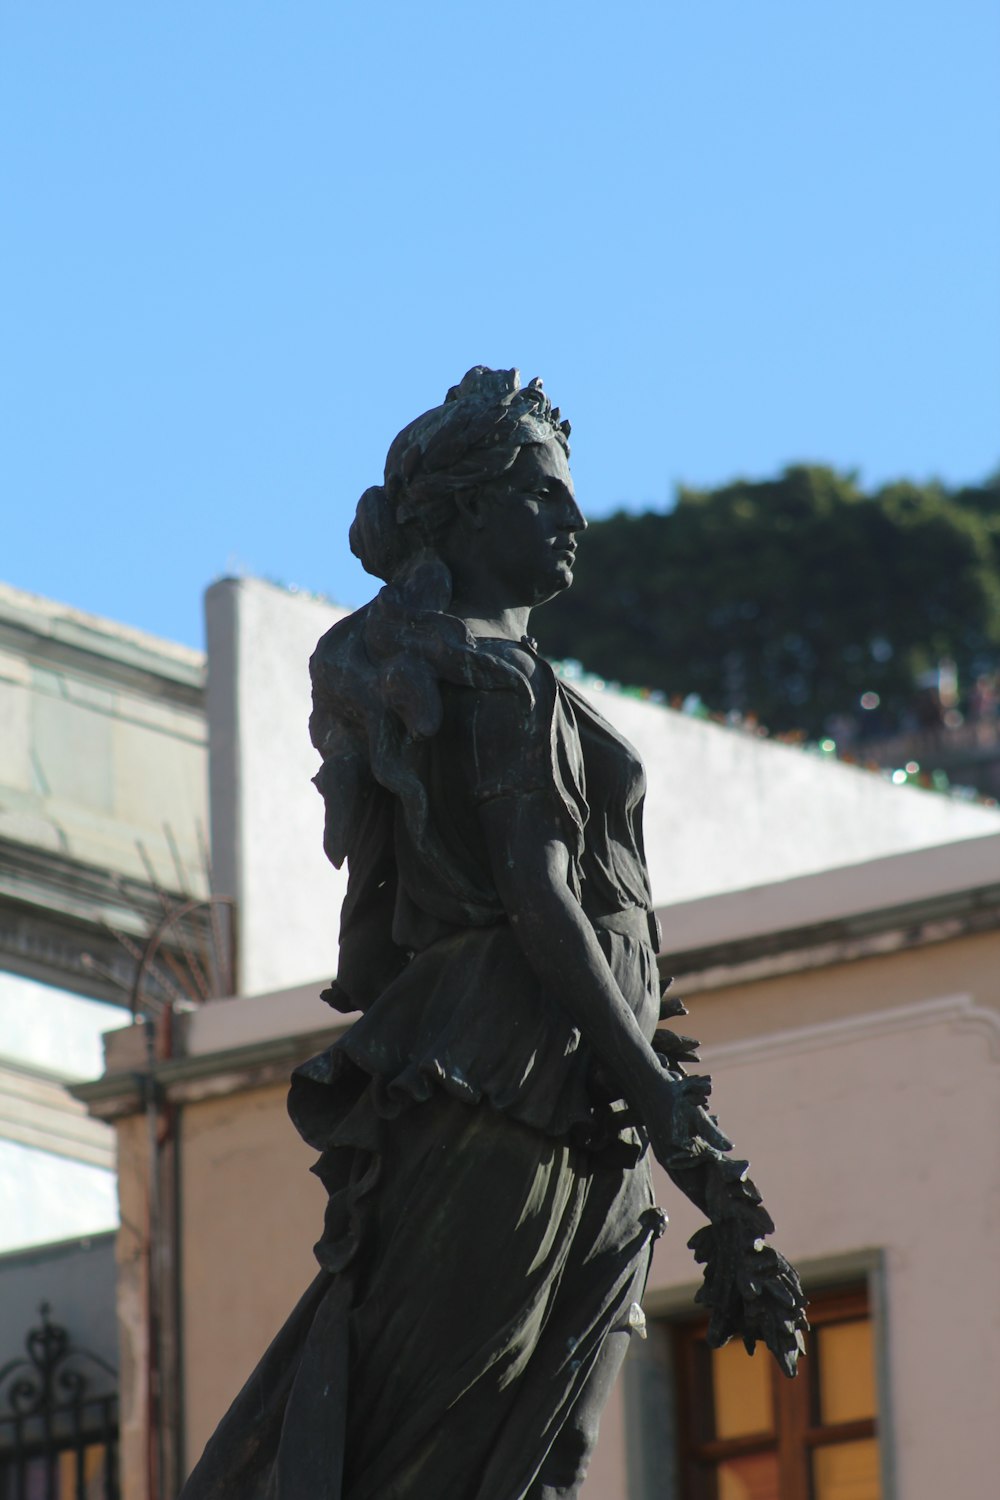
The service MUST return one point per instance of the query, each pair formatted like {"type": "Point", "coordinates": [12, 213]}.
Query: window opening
{"type": "Point", "coordinates": [748, 1433]}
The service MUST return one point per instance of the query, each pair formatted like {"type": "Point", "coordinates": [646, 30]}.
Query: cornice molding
{"type": "Point", "coordinates": [960, 1011]}
{"type": "Point", "coordinates": [57, 913]}
{"type": "Point", "coordinates": [57, 636]}
{"type": "Point", "coordinates": [187, 1080]}
{"type": "Point", "coordinates": [769, 955]}
{"type": "Point", "coordinates": [37, 1110]}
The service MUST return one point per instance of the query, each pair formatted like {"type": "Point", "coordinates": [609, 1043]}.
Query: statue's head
{"type": "Point", "coordinates": [477, 503]}
{"type": "Point", "coordinates": [486, 441]}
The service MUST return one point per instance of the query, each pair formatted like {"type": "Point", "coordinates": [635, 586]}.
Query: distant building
{"type": "Point", "coordinates": [103, 830]}
{"type": "Point", "coordinates": [852, 1025]}
{"type": "Point", "coordinates": [945, 739]}
{"type": "Point", "coordinates": [968, 753]}
{"type": "Point", "coordinates": [103, 811]}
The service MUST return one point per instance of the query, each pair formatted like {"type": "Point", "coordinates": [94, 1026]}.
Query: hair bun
{"type": "Point", "coordinates": [375, 539]}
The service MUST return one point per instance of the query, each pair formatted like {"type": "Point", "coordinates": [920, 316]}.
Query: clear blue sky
{"type": "Point", "coordinates": [244, 242]}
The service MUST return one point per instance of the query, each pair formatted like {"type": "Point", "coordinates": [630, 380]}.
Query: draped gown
{"type": "Point", "coordinates": [490, 1218]}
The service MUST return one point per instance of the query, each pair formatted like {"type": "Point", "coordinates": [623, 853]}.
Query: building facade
{"type": "Point", "coordinates": [838, 942]}
{"type": "Point", "coordinates": [852, 1027]}
{"type": "Point", "coordinates": [103, 819]}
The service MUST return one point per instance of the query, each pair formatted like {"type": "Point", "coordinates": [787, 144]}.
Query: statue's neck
{"type": "Point", "coordinates": [509, 624]}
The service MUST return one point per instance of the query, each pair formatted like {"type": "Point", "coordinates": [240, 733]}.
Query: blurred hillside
{"type": "Point", "coordinates": [809, 606]}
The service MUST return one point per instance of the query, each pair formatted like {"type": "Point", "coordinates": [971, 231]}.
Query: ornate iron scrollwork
{"type": "Point", "coordinates": [53, 1375]}
{"type": "Point", "coordinates": [58, 1419]}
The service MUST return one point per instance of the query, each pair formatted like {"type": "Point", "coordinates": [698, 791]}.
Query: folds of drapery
{"type": "Point", "coordinates": [483, 1266]}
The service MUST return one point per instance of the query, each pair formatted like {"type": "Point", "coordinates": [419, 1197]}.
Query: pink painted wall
{"type": "Point", "coordinates": [874, 1124]}
{"type": "Point", "coordinates": [867, 1097]}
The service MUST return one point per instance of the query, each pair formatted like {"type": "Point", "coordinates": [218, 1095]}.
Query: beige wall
{"type": "Point", "coordinates": [251, 1213]}
{"type": "Point", "coordinates": [133, 1344]}
{"type": "Point", "coordinates": [867, 1096]}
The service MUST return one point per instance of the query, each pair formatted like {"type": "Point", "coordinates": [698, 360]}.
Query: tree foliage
{"type": "Point", "coordinates": [789, 597]}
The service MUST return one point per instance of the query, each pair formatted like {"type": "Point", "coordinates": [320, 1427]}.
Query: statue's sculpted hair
{"type": "Point", "coordinates": [378, 675]}
{"type": "Point", "coordinates": [472, 439]}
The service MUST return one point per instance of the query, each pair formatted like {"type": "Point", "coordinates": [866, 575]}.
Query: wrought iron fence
{"type": "Point", "coordinates": [58, 1421]}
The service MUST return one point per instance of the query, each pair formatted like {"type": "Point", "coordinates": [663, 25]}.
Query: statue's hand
{"type": "Point", "coordinates": [677, 1121]}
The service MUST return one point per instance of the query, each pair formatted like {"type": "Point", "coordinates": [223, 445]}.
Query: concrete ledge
{"type": "Point", "coordinates": [60, 633]}
{"type": "Point", "coordinates": [37, 1110]}
{"type": "Point", "coordinates": [858, 911]}
{"type": "Point", "coordinates": [884, 886]}
{"type": "Point", "coordinates": [880, 907]}
{"type": "Point", "coordinates": [186, 1080]}
{"type": "Point", "coordinates": [221, 1024]}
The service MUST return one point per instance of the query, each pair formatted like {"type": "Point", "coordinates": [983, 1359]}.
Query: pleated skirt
{"type": "Point", "coordinates": [473, 1269]}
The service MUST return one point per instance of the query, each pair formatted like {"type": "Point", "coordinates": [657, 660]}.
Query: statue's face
{"type": "Point", "coordinates": [530, 523]}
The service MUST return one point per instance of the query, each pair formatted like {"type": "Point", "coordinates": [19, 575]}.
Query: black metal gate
{"type": "Point", "coordinates": [58, 1421]}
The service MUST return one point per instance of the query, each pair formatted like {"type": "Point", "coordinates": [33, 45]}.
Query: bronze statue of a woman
{"type": "Point", "coordinates": [485, 1127]}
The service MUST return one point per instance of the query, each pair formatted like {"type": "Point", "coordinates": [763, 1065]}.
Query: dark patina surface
{"type": "Point", "coordinates": [485, 1129]}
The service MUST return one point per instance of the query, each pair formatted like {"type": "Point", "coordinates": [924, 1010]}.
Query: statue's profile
{"type": "Point", "coordinates": [485, 1128]}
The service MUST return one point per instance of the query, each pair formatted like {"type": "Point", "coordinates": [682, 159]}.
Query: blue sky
{"type": "Point", "coordinates": [243, 243]}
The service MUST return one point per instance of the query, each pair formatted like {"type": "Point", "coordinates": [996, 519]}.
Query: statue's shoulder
{"type": "Point", "coordinates": [338, 644]}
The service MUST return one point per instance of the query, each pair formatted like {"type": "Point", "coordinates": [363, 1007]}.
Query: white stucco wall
{"type": "Point", "coordinates": [266, 816]}
{"type": "Point", "coordinates": [724, 811]}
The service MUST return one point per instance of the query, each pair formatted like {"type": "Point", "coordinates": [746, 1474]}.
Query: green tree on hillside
{"type": "Point", "coordinates": [788, 597]}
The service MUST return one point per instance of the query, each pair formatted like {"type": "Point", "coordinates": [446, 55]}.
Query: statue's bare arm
{"type": "Point", "coordinates": [750, 1289]}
